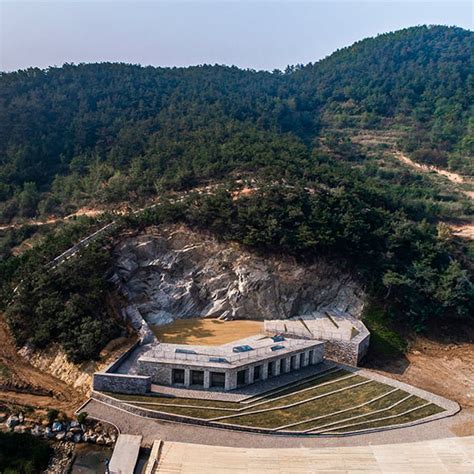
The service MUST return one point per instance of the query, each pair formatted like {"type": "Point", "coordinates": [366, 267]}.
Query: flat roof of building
{"type": "Point", "coordinates": [237, 353]}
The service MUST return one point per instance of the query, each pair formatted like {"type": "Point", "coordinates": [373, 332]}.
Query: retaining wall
{"type": "Point", "coordinates": [109, 381]}
{"type": "Point", "coordinates": [120, 383]}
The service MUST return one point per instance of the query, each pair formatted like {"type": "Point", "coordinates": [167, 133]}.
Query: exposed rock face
{"type": "Point", "coordinates": [177, 273]}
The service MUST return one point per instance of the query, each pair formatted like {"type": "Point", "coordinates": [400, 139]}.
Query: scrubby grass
{"type": "Point", "coordinates": [311, 409]}
{"type": "Point", "coordinates": [307, 393]}
{"type": "Point", "coordinates": [384, 341]}
{"type": "Point", "coordinates": [202, 413]}
{"type": "Point", "coordinates": [413, 416]}
{"type": "Point", "coordinates": [388, 400]}
{"type": "Point", "coordinates": [156, 399]}
{"type": "Point", "coordinates": [302, 384]}
{"type": "Point", "coordinates": [405, 404]}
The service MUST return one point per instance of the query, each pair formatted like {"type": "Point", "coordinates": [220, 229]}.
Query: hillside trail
{"type": "Point", "coordinates": [465, 230]}
{"type": "Point", "coordinates": [53, 220]}
{"type": "Point", "coordinates": [372, 138]}
{"type": "Point", "coordinates": [453, 177]}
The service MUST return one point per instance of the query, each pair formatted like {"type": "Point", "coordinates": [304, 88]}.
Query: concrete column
{"type": "Point", "coordinates": [187, 377]}
{"type": "Point", "coordinates": [249, 378]}
{"type": "Point", "coordinates": [230, 380]}
{"type": "Point", "coordinates": [306, 359]}
{"type": "Point", "coordinates": [207, 379]}
{"type": "Point", "coordinates": [286, 364]}
{"type": "Point", "coordinates": [297, 362]}
{"type": "Point", "coordinates": [277, 367]}
{"type": "Point", "coordinates": [264, 374]}
{"type": "Point", "coordinates": [318, 354]}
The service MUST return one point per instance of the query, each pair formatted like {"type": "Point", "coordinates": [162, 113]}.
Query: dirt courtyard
{"type": "Point", "coordinates": [206, 332]}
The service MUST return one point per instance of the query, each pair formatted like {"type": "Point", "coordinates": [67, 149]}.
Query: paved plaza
{"type": "Point", "coordinates": [453, 455]}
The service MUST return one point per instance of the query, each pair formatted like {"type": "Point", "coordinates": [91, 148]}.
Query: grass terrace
{"type": "Point", "coordinates": [335, 401]}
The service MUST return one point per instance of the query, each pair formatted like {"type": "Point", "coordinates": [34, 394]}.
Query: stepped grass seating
{"type": "Point", "coordinates": [334, 402]}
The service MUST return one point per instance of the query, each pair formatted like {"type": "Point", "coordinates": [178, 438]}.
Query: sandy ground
{"type": "Point", "coordinates": [444, 369]}
{"type": "Point", "coordinates": [207, 332]}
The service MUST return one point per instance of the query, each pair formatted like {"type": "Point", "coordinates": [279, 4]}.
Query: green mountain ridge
{"type": "Point", "coordinates": [77, 129]}
{"type": "Point", "coordinates": [108, 134]}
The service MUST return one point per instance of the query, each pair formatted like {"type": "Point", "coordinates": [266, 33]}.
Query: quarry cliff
{"type": "Point", "coordinates": [173, 272]}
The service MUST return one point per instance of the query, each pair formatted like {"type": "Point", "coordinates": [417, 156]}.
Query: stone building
{"type": "Point", "coordinates": [228, 366]}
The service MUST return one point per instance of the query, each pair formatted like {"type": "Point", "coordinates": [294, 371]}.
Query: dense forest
{"type": "Point", "coordinates": [114, 133]}
{"type": "Point", "coordinates": [111, 132]}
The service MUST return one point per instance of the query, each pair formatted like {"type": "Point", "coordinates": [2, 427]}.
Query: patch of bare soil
{"type": "Point", "coordinates": [444, 369]}
{"type": "Point", "coordinates": [22, 384]}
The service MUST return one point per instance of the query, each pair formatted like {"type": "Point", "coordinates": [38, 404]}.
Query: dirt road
{"type": "Point", "coordinates": [453, 177]}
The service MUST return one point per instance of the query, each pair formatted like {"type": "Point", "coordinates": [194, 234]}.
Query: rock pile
{"type": "Point", "coordinates": [72, 432]}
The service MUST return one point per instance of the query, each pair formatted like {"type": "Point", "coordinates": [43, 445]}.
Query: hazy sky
{"type": "Point", "coordinates": [259, 35]}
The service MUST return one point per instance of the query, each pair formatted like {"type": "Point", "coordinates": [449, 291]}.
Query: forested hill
{"type": "Point", "coordinates": [103, 130]}
{"type": "Point", "coordinates": [116, 133]}
{"type": "Point", "coordinates": [422, 73]}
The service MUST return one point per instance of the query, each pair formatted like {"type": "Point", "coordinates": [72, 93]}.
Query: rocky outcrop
{"type": "Point", "coordinates": [173, 272]}
{"type": "Point", "coordinates": [54, 361]}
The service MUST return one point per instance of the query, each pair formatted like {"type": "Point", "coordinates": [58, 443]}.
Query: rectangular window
{"type": "Point", "coordinates": [302, 359]}
{"type": "Point", "coordinates": [241, 377]}
{"type": "Point", "coordinates": [178, 375]}
{"type": "Point", "coordinates": [197, 377]}
{"type": "Point", "coordinates": [271, 369]}
{"type": "Point", "coordinates": [311, 355]}
{"type": "Point", "coordinates": [217, 379]}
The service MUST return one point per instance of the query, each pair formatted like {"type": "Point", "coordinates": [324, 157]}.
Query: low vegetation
{"type": "Point", "coordinates": [23, 453]}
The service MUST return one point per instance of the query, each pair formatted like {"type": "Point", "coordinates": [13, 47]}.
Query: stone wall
{"type": "Point", "coordinates": [109, 381]}
{"type": "Point", "coordinates": [120, 383]}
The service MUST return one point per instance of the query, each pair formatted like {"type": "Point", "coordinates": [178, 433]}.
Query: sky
{"type": "Point", "coordinates": [249, 34]}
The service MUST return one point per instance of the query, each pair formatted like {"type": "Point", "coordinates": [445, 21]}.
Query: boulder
{"type": "Point", "coordinates": [21, 429]}
{"type": "Point", "coordinates": [12, 421]}
{"type": "Point", "coordinates": [57, 426]}
{"type": "Point", "coordinates": [77, 438]}
{"type": "Point", "coordinates": [60, 436]}
{"type": "Point", "coordinates": [37, 430]}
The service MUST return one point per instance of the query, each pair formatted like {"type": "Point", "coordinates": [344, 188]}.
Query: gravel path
{"type": "Point", "coordinates": [169, 431]}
